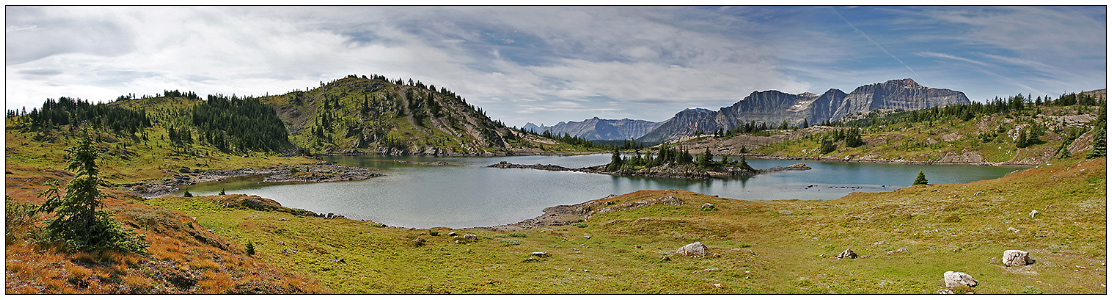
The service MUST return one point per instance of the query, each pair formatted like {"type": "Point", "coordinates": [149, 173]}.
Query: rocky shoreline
{"type": "Point", "coordinates": [888, 161]}
{"type": "Point", "coordinates": [666, 171]}
{"type": "Point", "coordinates": [303, 173]}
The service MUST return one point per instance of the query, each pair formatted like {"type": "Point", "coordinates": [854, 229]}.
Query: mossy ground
{"type": "Point", "coordinates": [759, 249]}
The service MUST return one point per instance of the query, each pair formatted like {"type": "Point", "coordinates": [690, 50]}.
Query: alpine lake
{"type": "Point", "coordinates": [466, 193]}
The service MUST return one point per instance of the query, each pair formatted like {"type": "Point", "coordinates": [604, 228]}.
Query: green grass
{"type": "Point", "coordinates": [758, 249]}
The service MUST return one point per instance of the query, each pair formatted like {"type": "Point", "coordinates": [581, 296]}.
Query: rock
{"type": "Point", "coordinates": [878, 243]}
{"type": "Point", "coordinates": [470, 237]}
{"type": "Point", "coordinates": [847, 254]}
{"type": "Point", "coordinates": [283, 219]}
{"type": "Point", "coordinates": [1012, 229]}
{"type": "Point", "coordinates": [1033, 213]}
{"type": "Point", "coordinates": [665, 258]}
{"type": "Point", "coordinates": [539, 254]}
{"type": "Point", "coordinates": [453, 233]}
{"type": "Point", "coordinates": [636, 246]}
{"type": "Point", "coordinates": [953, 279]}
{"type": "Point", "coordinates": [696, 248]}
{"type": "Point", "coordinates": [944, 292]}
{"type": "Point", "coordinates": [718, 285]}
{"type": "Point", "coordinates": [708, 206]}
{"type": "Point", "coordinates": [786, 212]}
{"type": "Point", "coordinates": [1014, 258]}
{"type": "Point", "coordinates": [978, 194]}
{"type": "Point", "coordinates": [338, 260]}
{"type": "Point", "coordinates": [898, 251]}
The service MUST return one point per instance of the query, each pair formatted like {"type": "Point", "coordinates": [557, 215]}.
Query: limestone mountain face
{"type": "Point", "coordinates": [774, 107]}
{"type": "Point", "coordinates": [599, 129]}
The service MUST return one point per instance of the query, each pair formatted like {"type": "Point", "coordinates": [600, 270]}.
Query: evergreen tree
{"type": "Point", "coordinates": [615, 161]}
{"type": "Point", "coordinates": [1099, 143]}
{"type": "Point", "coordinates": [704, 159]}
{"type": "Point", "coordinates": [1021, 141]}
{"type": "Point", "coordinates": [77, 224]}
{"type": "Point", "coordinates": [920, 179]}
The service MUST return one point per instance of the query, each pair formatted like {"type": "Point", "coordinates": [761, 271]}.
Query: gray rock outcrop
{"type": "Point", "coordinates": [847, 254]}
{"type": "Point", "coordinates": [953, 279]}
{"type": "Point", "coordinates": [696, 249]}
{"type": "Point", "coordinates": [1013, 258]}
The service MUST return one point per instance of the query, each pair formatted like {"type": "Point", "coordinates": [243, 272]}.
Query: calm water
{"type": "Point", "coordinates": [467, 194]}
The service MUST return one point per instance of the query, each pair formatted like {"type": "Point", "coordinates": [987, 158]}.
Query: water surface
{"type": "Point", "coordinates": [467, 194]}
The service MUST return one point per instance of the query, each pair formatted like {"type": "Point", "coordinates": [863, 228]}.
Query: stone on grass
{"type": "Point", "coordinates": [898, 251]}
{"type": "Point", "coordinates": [708, 206]}
{"type": "Point", "coordinates": [453, 233]}
{"type": "Point", "coordinates": [1033, 213]}
{"type": "Point", "coordinates": [1014, 258]}
{"type": "Point", "coordinates": [847, 254]}
{"type": "Point", "coordinates": [696, 248]}
{"type": "Point", "coordinates": [786, 212]}
{"type": "Point", "coordinates": [944, 292]}
{"type": "Point", "coordinates": [953, 279]}
{"type": "Point", "coordinates": [539, 254]}
{"type": "Point", "coordinates": [1012, 229]}
{"type": "Point", "coordinates": [470, 237]}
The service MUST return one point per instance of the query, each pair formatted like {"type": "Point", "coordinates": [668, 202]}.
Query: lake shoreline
{"type": "Point", "coordinates": [889, 161]}
{"type": "Point", "coordinates": [322, 171]}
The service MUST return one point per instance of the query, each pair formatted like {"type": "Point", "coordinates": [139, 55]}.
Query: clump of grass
{"type": "Point", "coordinates": [581, 225]}
{"type": "Point", "coordinates": [434, 233]}
{"type": "Point", "coordinates": [517, 234]}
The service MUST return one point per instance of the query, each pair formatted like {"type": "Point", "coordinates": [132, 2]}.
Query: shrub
{"type": "Point", "coordinates": [17, 217]}
{"type": "Point", "coordinates": [581, 225]}
{"type": "Point", "coordinates": [250, 249]}
{"type": "Point", "coordinates": [517, 234]}
{"type": "Point", "coordinates": [187, 194]}
{"type": "Point", "coordinates": [433, 233]}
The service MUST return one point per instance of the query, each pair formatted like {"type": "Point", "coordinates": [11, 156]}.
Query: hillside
{"type": "Point", "coordinates": [998, 134]}
{"type": "Point", "coordinates": [598, 129]}
{"type": "Point", "coordinates": [627, 243]}
{"type": "Point", "coordinates": [374, 115]}
{"type": "Point", "coordinates": [779, 109]}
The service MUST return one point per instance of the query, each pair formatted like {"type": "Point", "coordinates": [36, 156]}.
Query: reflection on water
{"type": "Point", "coordinates": [467, 194]}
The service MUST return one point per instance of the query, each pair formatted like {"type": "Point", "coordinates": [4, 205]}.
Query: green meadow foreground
{"type": "Point", "coordinates": [755, 247]}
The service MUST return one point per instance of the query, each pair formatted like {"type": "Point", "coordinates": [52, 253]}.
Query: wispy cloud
{"type": "Point", "coordinates": [870, 39]}
{"type": "Point", "coordinates": [550, 64]}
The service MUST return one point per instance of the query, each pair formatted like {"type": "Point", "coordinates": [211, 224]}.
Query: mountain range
{"type": "Point", "coordinates": [774, 108]}
{"type": "Point", "coordinates": [598, 129]}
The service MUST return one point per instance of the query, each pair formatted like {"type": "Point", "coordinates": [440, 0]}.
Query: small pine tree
{"type": "Point", "coordinates": [704, 159]}
{"type": "Point", "coordinates": [187, 194]}
{"type": "Point", "coordinates": [1100, 142]}
{"type": "Point", "coordinates": [921, 179]}
{"type": "Point", "coordinates": [77, 224]}
{"type": "Point", "coordinates": [250, 249]}
{"type": "Point", "coordinates": [222, 192]}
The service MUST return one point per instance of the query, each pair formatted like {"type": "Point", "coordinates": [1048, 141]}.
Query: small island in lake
{"type": "Point", "coordinates": [668, 163]}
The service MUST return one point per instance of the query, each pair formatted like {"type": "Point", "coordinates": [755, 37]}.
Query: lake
{"type": "Point", "coordinates": [466, 194]}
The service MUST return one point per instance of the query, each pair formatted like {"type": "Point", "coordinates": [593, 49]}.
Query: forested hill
{"type": "Point", "coordinates": [360, 114]}
{"type": "Point", "coordinates": [352, 115]}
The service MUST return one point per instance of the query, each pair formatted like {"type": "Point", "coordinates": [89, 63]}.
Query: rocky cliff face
{"type": "Point", "coordinates": [599, 129]}
{"type": "Point", "coordinates": [774, 107]}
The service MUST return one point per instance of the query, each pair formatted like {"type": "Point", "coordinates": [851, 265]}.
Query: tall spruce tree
{"type": "Point", "coordinates": [921, 179]}
{"type": "Point", "coordinates": [78, 226]}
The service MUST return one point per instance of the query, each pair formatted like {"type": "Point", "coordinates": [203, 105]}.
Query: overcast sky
{"type": "Point", "coordinates": [551, 64]}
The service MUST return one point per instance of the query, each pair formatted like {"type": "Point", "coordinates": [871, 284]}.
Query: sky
{"type": "Point", "coordinates": [550, 64]}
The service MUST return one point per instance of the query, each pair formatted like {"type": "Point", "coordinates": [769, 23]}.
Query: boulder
{"type": "Point", "coordinates": [453, 233]}
{"type": "Point", "coordinates": [847, 254]}
{"type": "Point", "coordinates": [953, 279]}
{"type": "Point", "coordinates": [944, 292]}
{"type": "Point", "coordinates": [696, 248]}
{"type": "Point", "coordinates": [786, 212]}
{"type": "Point", "coordinates": [898, 251]}
{"type": "Point", "coordinates": [539, 254]}
{"type": "Point", "coordinates": [1014, 258]}
{"type": "Point", "coordinates": [708, 206]}
{"type": "Point", "coordinates": [470, 237]}
{"type": "Point", "coordinates": [338, 260]}
{"type": "Point", "coordinates": [1033, 213]}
